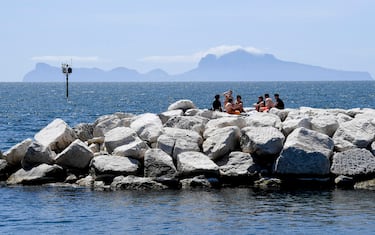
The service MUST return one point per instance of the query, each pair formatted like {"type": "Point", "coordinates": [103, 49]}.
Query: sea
{"type": "Point", "coordinates": [25, 108]}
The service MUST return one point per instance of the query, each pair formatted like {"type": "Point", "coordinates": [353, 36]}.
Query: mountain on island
{"type": "Point", "coordinates": [234, 66]}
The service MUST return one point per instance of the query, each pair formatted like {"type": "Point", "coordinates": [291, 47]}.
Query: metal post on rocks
{"type": "Point", "coordinates": [67, 69]}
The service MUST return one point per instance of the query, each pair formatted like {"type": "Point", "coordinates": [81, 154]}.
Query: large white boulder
{"type": "Point", "coordinates": [359, 132]}
{"type": "Point", "coordinates": [132, 182]}
{"type": "Point", "coordinates": [326, 124]}
{"type": "Point", "coordinates": [57, 135]}
{"type": "Point", "coordinates": [175, 141]}
{"type": "Point", "coordinates": [221, 142]}
{"type": "Point", "coordinates": [195, 163]}
{"type": "Point", "coordinates": [76, 156]}
{"type": "Point", "coordinates": [206, 113]}
{"type": "Point", "coordinates": [262, 140]}
{"type": "Point", "coordinates": [135, 149]}
{"type": "Point", "coordinates": [15, 154]}
{"type": "Point", "coordinates": [157, 163]}
{"type": "Point", "coordinates": [219, 123]}
{"type": "Point", "coordinates": [43, 173]}
{"type": "Point", "coordinates": [282, 113]}
{"type": "Point", "coordinates": [108, 122]}
{"type": "Point", "coordinates": [259, 119]}
{"type": "Point", "coordinates": [84, 131]}
{"type": "Point", "coordinates": [305, 152]}
{"type": "Point", "coordinates": [116, 165]}
{"type": "Point", "coordinates": [165, 116]}
{"type": "Point", "coordinates": [119, 136]}
{"type": "Point", "coordinates": [195, 123]}
{"type": "Point", "coordinates": [290, 124]}
{"type": "Point", "coordinates": [182, 104]}
{"type": "Point", "coordinates": [37, 154]}
{"type": "Point", "coordinates": [353, 162]}
{"type": "Point", "coordinates": [148, 126]}
{"type": "Point", "coordinates": [237, 164]}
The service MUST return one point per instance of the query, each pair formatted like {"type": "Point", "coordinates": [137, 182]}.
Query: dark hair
{"type": "Point", "coordinates": [260, 97]}
{"type": "Point", "coordinates": [230, 100]}
{"type": "Point", "coordinates": [217, 97]}
{"type": "Point", "coordinates": [276, 94]}
{"type": "Point", "coordinates": [238, 96]}
{"type": "Point", "coordinates": [266, 95]}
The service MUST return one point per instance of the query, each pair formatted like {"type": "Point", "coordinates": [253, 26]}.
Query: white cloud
{"type": "Point", "coordinates": [51, 58]}
{"type": "Point", "coordinates": [195, 57]}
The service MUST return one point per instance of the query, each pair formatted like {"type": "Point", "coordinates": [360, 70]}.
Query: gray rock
{"type": "Point", "coordinates": [135, 149]}
{"type": "Point", "coordinates": [282, 113]}
{"type": "Point", "coordinates": [195, 123]}
{"type": "Point", "coordinates": [158, 164]}
{"type": "Point", "coordinates": [262, 140]}
{"type": "Point", "coordinates": [216, 124]}
{"type": "Point", "coordinates": [359, 132]}
{"type": "Point", "coordinates": [182, 104]}
{"type": "Point", "coordinates": [268, 183]}
{"type": "Point", "coordinates": [341, 117]}
{"type": "Point", "coordinates": [3, 169]}
{"type": "Point", "coordinates": [326, 124]}
{"type": "Point", "coordinates": [237, 164]}
{"type": "Point", "coordinates": [221, 142]}
{"type": "Point", "coordinates": [116, 165]}
{"type": "Point", "coordinates": [353, 162]}
{"type": "Point", "coordinates": [135, 183]}
{"type": "Point", "coordinates": [343, 181]}
{"type": "Point", "coordinates": [195, 163]}
{"type": "Point", "coordinates": [200, 182]}
{"type": "Point", "coordinates": [108, 122]}
{"type": "Point", "coordinates": [76, 156]}
{"type": "Point", "coordinates": [175, 141]}
{"type": "Point", "coordinates": [119, 136]}
{"type": "Point", "coordinates": [305, 152]}
{"type": "Point", "coordinates": [88, 182]}
{"type": "Point", "coordinates": [367, 184]}
{"type": "Point", "coordinates": [37, 154]}
{"type": "Point", "coordinates": [84, 131]}
{"type": "Point", "coordinates": [148, 126]}
{"type": "Point", "coordinates": [57, 135]}
{"type": "Point", "coordinates": [165, 116]}
{"type": "Point", "coordinates": [38, 175]}
{"type": "Point", "coordinates": [260, 119]}
{"type": "Point", "coordinates": [15, 154]}
{"type": "Point", "coordinates": [289, 125]}
{"type": "Point", "coordinates": [205, 113]}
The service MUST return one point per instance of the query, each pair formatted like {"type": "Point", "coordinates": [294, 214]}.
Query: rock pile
{"type": "Point", "coordinates": [189, 147]}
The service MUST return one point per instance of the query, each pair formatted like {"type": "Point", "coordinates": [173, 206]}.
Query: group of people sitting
{"type": "Point", "coordinates": [266, 103]}
{"type": "Point", "coordinates": [236, 107]}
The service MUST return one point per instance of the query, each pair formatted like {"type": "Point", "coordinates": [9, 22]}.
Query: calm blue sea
{"type": "Point", "coordinates": [25, 108]}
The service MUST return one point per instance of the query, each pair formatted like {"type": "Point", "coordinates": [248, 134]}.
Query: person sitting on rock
{"type": "Point", "coordinates": [228, 95]}
{"type": "Point", "coordinates": [268, 102]}
{"type": "Point", "coordinates": [239, 104]}
{"type": "Point", "coordinates": [216, 105]}
{"type": "Point", "coordinates": [260, 104]}
{"type": "Point", "coordinates": [230, 107]}
{"type": "Point", "coordinates": [278, 102]}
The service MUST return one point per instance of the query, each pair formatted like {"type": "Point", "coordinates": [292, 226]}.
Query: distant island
{"type": "Point", "coordinates": [238, 65]}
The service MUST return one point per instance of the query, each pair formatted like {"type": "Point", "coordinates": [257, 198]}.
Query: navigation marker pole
{"type": "Point", "coordinates": [66, 69]}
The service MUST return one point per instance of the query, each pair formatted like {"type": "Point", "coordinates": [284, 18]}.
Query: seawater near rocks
{"type": "Point", "coordinates": [187, 147]}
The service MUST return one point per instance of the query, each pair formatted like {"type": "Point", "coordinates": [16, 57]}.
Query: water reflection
{"type": "Point", "coordinates": [223, 211]}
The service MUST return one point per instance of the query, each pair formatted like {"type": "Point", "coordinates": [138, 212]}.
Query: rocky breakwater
{"type": "Point", "coordinates": [189, 147]}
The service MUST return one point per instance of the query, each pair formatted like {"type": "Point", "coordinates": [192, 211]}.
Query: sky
{"type": "Point", "coordinates": [174, 35]}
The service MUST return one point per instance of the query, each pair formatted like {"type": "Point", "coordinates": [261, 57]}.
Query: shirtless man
{"type": "Point", "coordinates": [269, 103]}
{"type": "Point", "coordinates": [239, 104]}
{"type": "Point", "coordinates": [229, 107]}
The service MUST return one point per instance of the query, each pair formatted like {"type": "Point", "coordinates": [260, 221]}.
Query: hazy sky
{"type": "Point", "coordinates": [174, 35]}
